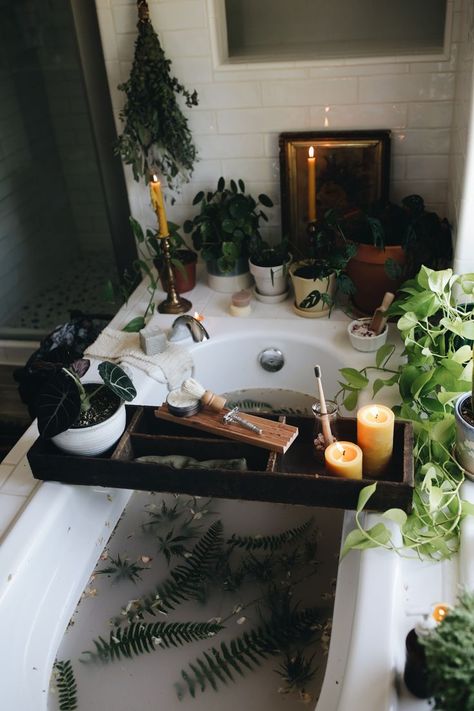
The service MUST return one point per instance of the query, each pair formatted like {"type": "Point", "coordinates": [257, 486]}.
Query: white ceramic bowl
{"type": "Point", "coordinates": [367, 344]}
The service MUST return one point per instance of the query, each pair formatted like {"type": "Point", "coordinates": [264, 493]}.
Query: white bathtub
{"type": "Point", "coordinates": [47, 558]}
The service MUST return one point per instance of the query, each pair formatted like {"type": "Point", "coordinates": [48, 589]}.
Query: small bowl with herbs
{"type": "Point", "coordinates": [363, 338]}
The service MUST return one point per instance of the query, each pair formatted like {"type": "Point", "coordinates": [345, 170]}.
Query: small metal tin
{"type": "Point", "coordinates": [181, 404]}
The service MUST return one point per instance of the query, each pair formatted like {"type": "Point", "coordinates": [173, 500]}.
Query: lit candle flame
{"type": "Point", "coordinates": [198, 316]}
{"type": "Point", "coordinates": [340, 449]}
{"type": "Point", "coordinates": [311, 152]}
{"type": "Point", "coordinates": [155, 178]}
{"type": "Point", "coordinates": [374, 412]}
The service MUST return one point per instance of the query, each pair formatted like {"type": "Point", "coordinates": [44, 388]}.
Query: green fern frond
{"type": "Point", "coordinates": [140, 638]}
{"type": "Point", "coordinates": [246, 652]}
{"type": "Point", "coordinates": [271, 543]}
{"type": "Point", "coordinates": [296, 671]}
{"type": "Point", "coordinates": [66, 684]}
{"type": "Point", "coordinates": [188, 580]}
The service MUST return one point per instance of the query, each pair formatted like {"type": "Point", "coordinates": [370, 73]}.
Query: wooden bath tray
{"type": "Point", "coordinates": [294, 477]}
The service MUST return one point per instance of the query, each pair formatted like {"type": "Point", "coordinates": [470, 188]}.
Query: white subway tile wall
{"type": "Point", "coordinates": [244, 107]}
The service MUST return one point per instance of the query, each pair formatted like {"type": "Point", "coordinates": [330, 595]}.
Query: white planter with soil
{"type": "Point", "coordinates": [270, 281]}
{"type": "Point", "coordinates": [229, 282]}
{"type": "Point", "coordinates": [94, 439]}
{"type": "Point", "coordinates": [464, 434]}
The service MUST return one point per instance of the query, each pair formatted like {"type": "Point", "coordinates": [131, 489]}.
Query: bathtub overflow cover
{"type": "Point", "coordinates": [271, 359]}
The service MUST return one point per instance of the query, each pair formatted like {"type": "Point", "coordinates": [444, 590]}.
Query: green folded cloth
{"type": "Point", "coordinates": [179, 461]}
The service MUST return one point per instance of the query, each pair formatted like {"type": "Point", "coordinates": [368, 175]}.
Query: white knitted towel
{"type": "Point", "coordinates": [172, 366]}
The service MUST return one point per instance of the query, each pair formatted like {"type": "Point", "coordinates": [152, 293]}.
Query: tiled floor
{"type": "Point", "coordinates": [81, 286]}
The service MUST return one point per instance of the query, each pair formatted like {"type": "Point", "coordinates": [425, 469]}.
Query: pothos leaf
{"type": "Point", "coordinates": [135, 325]}
{"type": "Point", "coordinates": [365, 495]}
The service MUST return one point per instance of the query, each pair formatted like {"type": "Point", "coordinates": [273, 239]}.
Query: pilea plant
{"type": "Point", "coordinates": [227, 222]}
{"type": "Point", "coordinates": [437, 330]}
{"type": "Point", "coordinates": [156, 136]}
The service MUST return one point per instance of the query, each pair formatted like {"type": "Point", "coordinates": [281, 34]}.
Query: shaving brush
{"type": "Point", "coordinates": [327, 434]}
{"type": "Point", "coordinates": [207, 397]}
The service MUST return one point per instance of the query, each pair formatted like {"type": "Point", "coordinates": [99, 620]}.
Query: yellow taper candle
{"type": "Point", "coordinates": [158, 206]}
{"type": "Point", "coordinates": [375, 425]}
{"type": "Point", "coordinates": [311, 185]}
{"type": "Point", "coordinates": [344, 459]}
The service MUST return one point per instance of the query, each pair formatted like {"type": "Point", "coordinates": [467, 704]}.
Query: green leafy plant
{"type": "Point", "coordinates": [437, 331]}
{"type": "Point", "coordinates": [424, 237]}
{"type": "Point", "coordinates": [66, 685]}
{"type": "Point", "coordinates": [329, 253]}
{"type": "Point", "coordinates": [227, 222]}
{"type": "Point", "coordinates": [156, 136]}
{"type": "Point", "coordinates": [63, 399]}
{"type": "Point", "coordinates": [271, 543]}
{"type": "Point", "coordinates": [449, 651]}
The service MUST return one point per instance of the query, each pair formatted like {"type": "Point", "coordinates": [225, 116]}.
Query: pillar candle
{"type": "Point", "coordinates": [158, 206]}
{"type": "Point", "coordinates": [311, 185]}
{"type": "Point", "coordinates": [375, 425]}
{"type": "Point", "coordinates": [344, 459]}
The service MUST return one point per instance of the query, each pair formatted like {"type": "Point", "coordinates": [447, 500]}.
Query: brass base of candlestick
{"type": "Point", "coordinates": [174, 303]}
{"type": "Point", "coordinates": [179, 306]}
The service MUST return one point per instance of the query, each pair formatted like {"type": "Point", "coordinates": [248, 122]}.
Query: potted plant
{"type": "Point", "coordinates": [318, 278]}
{"type": "Point", "coordinates": [448, 653]}
{"type": "Point", "coordinates": [393, 242]}
{"type": "Point", "coordinates": [268, 265]}
{"type": "Point", "coordinates": [227, 220]}
{"type": "Point", "coordinates": [436, 332]}
{"type": "Point", "coordinates": [81, 418]}
{"type": "Point", "coordinates": [464, 419]}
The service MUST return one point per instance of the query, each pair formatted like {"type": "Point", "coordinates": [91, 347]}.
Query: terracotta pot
{"type": "Point", "coordinates": [304, 286]}
{"type": "Point", "coordinates": [371, 281]}
{"type": "Point", "coordinates": [184, 276]}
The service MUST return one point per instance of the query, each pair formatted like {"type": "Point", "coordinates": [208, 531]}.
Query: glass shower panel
{"type": "Point", "coordinates": [56, 250]}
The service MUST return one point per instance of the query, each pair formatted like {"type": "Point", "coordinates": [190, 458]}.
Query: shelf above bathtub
{"type": "Point", "coordinates": [294, 477]}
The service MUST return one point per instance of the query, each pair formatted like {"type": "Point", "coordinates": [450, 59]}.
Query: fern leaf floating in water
{"type": "Point", "coordinates": [271, 543]}
{"type": "Point", "coordinates": [247, 652]}
{"type": "Point", "coordinates": [66, 684]}
{"type": "Point", "coordinates": [140, 638]}
{"type": "Point", "coordinates": [186, 581]}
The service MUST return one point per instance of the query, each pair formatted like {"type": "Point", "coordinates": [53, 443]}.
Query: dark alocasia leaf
{"type": "Point", "coordinates": [58, 405]}
{"type": "Point", "coordinates": [117, 380]}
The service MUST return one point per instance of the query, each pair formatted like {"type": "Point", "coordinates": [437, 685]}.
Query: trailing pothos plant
{"type": "Point", "coordinates": [437, 330]}
{"type": "Point", "coordinates": [156, 136]}
{"type": "Point", "coordinates": [63, 399]}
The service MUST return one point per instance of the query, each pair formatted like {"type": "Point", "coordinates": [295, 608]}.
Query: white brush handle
{"type": "Point", "coordinates": [327, 434]}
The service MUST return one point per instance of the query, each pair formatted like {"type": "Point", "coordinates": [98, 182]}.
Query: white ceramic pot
{"type": "Point", "coordinates": [227, 283]}
{"type": "Point", "coordinates": [94, 440]}
{"type": "Point", "coordinates": [304, 287]}
{"type": "Point", "coordinates": [366, 343]}
{"type": "Point", "coordinates": [464, 438]}
{"type": "Point", "coordinates": [270, 281]}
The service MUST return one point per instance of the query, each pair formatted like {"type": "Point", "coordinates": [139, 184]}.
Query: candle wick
{"type": "Point", "coordinates": [343, 452]}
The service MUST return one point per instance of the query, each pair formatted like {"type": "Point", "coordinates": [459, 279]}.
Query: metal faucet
{"type": "Point", "coordinates": [185, 325]}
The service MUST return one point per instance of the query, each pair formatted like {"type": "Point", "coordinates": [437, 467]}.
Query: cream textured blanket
{"type": "Point", "coordinates": [172, 366]}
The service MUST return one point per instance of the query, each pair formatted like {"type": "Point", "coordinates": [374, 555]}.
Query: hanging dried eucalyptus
{"type": "Point", "coordinates": [156, 136]}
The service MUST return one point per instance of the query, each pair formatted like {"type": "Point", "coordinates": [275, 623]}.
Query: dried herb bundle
{"type": "Point", "coordinates": [156, 137]}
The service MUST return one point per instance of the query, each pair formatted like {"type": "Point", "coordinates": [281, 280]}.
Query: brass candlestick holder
{"type": "Point", "coordinates": [174, 303]}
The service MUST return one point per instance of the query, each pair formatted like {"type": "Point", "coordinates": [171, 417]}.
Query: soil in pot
{"type": "Point", "coordinates": [103, 405]}
{"type": "Point", "coordinates": [184, 275]}
{"type": "Point", "coordinates": [466, 411]}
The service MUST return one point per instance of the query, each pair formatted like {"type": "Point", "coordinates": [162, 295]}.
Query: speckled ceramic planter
{"type": "Point", "coordinates": [464, 438]}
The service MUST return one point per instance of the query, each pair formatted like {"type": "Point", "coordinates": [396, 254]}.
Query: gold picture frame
{"type": "Point", "coordinates": [351, 169]}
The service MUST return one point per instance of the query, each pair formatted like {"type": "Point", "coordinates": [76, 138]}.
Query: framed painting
{"type": "Point", "coordinates": [323, 170]}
